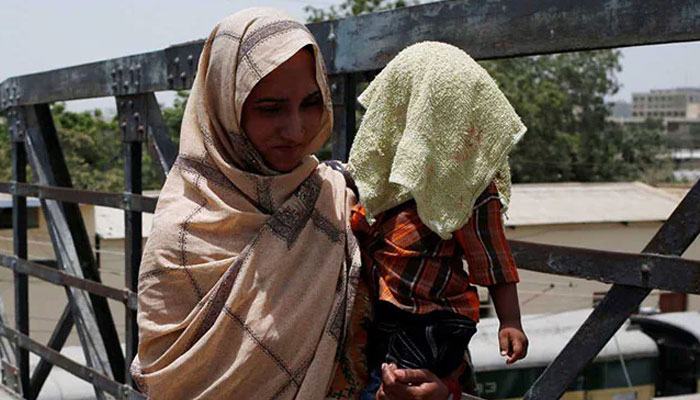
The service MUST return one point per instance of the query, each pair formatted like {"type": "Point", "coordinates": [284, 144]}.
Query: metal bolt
{"type": "Point", "coordinates": [126, 84]}
{"type": "Point", "coordinates": [114, 73]}
{"type": "Point", "coordinates": [137, 117]}
{"type": "Point", "coordinates": [183, 76]}
{"type": "Point", "coordinates": [127, 206]}
{"type": "Point", "coordinates": [123, 126]}
{"type": "Point", "coordinates": [334, 87]}
{"type": "Point", "coordinates": [131, 103]}
{"type": "Point", "coordinates": [331, 37]}
{"type": "Point", "coordinates": [190, 59]}
{"type": "Point", "coordinates": [176, 60]}
{"type": "Point", "coordinates": [645, 269]}
{"type": "Point", "coordinates": [170, 79]}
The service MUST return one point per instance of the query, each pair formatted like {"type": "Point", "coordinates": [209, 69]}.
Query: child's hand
{"type": "Point", "coordinates": [513, 342]}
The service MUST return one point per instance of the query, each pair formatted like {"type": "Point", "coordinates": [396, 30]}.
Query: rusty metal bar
{"type": "Point", "coordinates": [52, 275]}
{"type": "Point", "coordinates": [94, 377]}
{"type": "Point", "coordinates": [649, 271]}
{"type": "Point", "coordinates": [124, 201]}
{"type": "Point", "coordinates": [673, 238]}
{"type": "Point", "coordinates": [485, 29]}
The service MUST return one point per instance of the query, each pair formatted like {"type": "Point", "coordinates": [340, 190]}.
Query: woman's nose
{"type": "Point", "coordinates": [294, 127]}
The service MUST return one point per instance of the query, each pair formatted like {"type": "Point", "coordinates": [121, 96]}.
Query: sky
{"type": "Point", "coordinates": [41, 35]}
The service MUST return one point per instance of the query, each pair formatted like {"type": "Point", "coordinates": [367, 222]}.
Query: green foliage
{"type": "Point", "coordinates": [561, 100]}
{"type": "Point", "coordinates": [172, 116]}
{"type": "Point", "coordinates": [353, 7]}
{"type": "Point", "coordinates": [92, 148]}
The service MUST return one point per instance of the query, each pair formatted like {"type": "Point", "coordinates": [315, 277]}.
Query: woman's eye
{"type": "Point", "coordinates": [312, 102]}
{"type": "Point", "coordinates": [269, 110]}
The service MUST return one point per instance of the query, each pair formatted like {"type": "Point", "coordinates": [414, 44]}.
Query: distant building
{"type": "Point", "coordinates": [620, 109]}
{"type": "Point", "coordinates": [667, 103]}
{"type": "Point", "coordinates": [677, 109]}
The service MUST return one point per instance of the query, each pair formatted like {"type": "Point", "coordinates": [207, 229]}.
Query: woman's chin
{"type": "Point", "coordinates": [284, 165]}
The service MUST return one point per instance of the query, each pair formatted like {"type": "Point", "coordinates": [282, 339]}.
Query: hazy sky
{"type": "Point", "coordinates": [41, 35]}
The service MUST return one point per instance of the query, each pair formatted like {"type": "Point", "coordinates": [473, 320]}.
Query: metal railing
{"type": "Point", "coordinates": [354, 49]}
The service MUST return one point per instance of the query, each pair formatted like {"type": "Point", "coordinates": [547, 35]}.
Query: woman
{"type": "Point", "coordinates": [248, 280]}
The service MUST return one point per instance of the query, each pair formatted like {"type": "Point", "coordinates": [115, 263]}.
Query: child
{"type": "Point", "coordinates": [430, 164]}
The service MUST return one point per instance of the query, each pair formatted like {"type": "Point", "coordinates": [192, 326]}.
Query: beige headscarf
{"type": "Point", "coordinates": [437, 129]}
{"type": "Point", "coordinates": [248, 276]}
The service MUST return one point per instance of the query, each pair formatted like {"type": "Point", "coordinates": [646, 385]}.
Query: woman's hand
{"type": "Point", "coordinates": [410, 384]}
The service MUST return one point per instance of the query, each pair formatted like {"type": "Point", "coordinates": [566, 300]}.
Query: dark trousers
{"type": "Point", "coordinates": [436, 341]}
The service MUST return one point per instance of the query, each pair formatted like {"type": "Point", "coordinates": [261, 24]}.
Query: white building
{"type": "Point", "coordinates": [667, 103]}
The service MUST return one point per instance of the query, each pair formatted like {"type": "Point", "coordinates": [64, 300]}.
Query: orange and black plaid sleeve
{"type": "Point", "coordinates": [483, 240]}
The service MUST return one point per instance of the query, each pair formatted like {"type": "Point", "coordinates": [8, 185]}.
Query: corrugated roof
{"type": "Point", "coordinates": [572, 203]}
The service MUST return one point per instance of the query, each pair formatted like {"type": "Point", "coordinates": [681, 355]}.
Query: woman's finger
{"type": "Point", "coordinates": [388, 377]}
{"type": "Point", "coordinates": [380, 394]}
{"type": "Point", "coordinates": [414, 376]}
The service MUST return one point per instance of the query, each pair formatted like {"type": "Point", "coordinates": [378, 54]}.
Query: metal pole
{"type": "Point", "coordinates": [343, 91]}
{"type": "Point", "coordinates": [19, 229]}
{"type": "Point", "coordinates": [133, 117]}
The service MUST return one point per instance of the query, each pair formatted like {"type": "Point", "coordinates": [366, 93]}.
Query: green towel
{"type": "Point", "coordinates": [436, 129]}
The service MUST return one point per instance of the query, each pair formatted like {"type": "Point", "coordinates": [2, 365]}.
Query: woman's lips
{"type": "Point", "coordinates": [286, 148]}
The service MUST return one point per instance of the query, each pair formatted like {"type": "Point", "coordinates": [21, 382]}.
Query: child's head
{"type": "Point", "coordinates": [436, 129]}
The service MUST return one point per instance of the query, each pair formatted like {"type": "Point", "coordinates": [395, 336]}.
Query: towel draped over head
{"type": "Point", "coordinates": [248, 276]}
{"type": "Point", "coordinates": [438, 130]}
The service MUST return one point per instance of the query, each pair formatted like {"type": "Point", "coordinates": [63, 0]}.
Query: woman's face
{"type": "Point", "coordinates": [283, 112]}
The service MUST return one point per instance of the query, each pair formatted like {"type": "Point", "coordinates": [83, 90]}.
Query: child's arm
{"type": "Point", "coordinates": [491, 264]}
{"type": "Point", "coordinates": [511, 337]}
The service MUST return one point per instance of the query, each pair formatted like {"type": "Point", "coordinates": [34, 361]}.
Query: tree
{"type": "Point", "coordinates": [92, 148]}
{"type": "Point", "coordinates": [561, 98]}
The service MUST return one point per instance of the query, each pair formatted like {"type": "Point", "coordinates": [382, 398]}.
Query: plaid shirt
{"type": "Point", "coordinates": [414, 269]}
